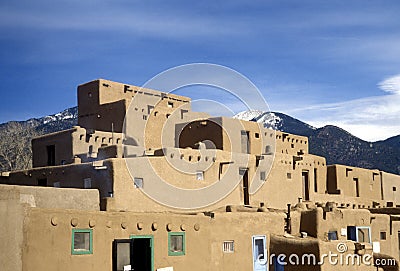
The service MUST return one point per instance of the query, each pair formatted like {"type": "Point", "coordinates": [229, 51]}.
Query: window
{"type": "Point", "coordinates": [363, 235]}
{"type": "Point", "coordinates": [51, 155]}
{"type": "Point", "coordinates": [138, 182]}
{"type": "Point", "coordinates": [228, 247]}
{"type": "Point", "coordinates": [383, 235]}
{"type": "Point", "coordinates": [357, 187]}
{"type": "Point", "coordinates": [82, 241]}
{"type": "Point", "coordinates": [183, 112]}
{"type": "Point", "coordinates": [289, 175]}
{"type": "Point", "coordinates": [149, 109]}
{"type": "Point", "coordinates": [87, 183]}
{"type": "Point", "coordinates": [176, 243]}
{"type": "Point", "coordinates": [332, 235]}
{"type": "Point", "coordinates": [315, 181]}
{"type": "Point", "coordinates": [42, 182]}
{"type": "Point", "coordinates": [257, 135]}
{"type": "Point", "coordinates": [199, 175]}
{"type": "Point", "coordinates": [262, 175]}
{"type": "Point", "coordinates": [359, 234]}
{"type": "Point", "coordinates": [394, 189]}
{"type": "Point", "coordinates": [170, 104]}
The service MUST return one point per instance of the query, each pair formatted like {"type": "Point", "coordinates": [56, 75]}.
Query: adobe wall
{"type": "Point", "coordinates": [75, 145]}
{"type": "Point", "coordinates": [291, 144]}
{"type": "Point", "coordinates": [317, 222]}
{"type": "Point", "coordinates": [63, 148]}
{"type": "Point", "coordinates": [12, 214]}
{"type": "Point", "coordinates": [49, 197]}
{"type": "Point", "coordinates": [125, 191]}
{"type": "Point", "coordinates": [391, 188]}
{"type": "Point", "coordinates": [380, 225]}
{"type": "Point", "coordinates": [14, 204]}
{"type": "Point", "coordinates": [103, 105]}
{"type": "Point", "coordinates": [68, 176]}
{"type": "Point", "coordinates": [204, 237]}
{"type": "Point", "coordinates": [111, 176]}
{"type": "Point", "coordinates": [343, 179]}
{"type": "Point", "coordinates": [285, 177]}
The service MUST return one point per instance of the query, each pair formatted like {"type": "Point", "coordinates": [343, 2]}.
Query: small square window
{"type": "Point", "coordinates": [394, 188]}
{"type": "Point", "coordinates": [332, 235]}
{"type": "Point", "coordinates": [138, 182]}
{"type": "Point", "coordinates": [262, 175]}
{"type": "Point", "coordinates": [82, 241]}
{"type": "Point", "coordinates": [199, 175]}
{"type": "Point", "coordinates": [228, 246]}
{"type": "Point", "coordinates": [176, 243]}
{"type": "Point", "coordinates": [170, 104]}
{"type": "Point", "coordinates": [257, 135]}
{"type": "Point", "coordinates": [87, 183]}
{"type": "Point", "coordinates": [383, 235]}
{"type": "Point", "coordinates": [289, 175]}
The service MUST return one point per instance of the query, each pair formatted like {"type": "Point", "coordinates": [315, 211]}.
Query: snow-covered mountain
{"type": "Point", "coordinates": [70, 113]}
{"type": "Point", "coordinates": [277, 121]}
{"type": "Point", "coordinates": [334, 143]}
{"type": "Point", "coordinates": [269, 119]}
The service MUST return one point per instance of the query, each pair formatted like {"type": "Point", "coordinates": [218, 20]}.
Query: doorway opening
{"type": "Point", "coordinates": [357, 187]}
{"type": "Point", "coordinates": [306, 185]}
{"type": "Point", "coordinates": [135, 253]}
{"type": "Point", "coordinates": [245, 141]}
{"type": "Point", "coordinates": [244, 173]}
{"type": "Point", "coordinates": [51, 155]}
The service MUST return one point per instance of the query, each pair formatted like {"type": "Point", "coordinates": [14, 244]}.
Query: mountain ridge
{"type": "Point", "coordinates": [337, 145]}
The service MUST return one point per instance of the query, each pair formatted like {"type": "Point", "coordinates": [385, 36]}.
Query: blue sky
{"type": "Point", "coordinates": [324, 62]}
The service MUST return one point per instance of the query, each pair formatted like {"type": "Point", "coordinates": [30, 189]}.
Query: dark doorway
{"type": "Point", "coordinates": [315, 181]}
{"type": "Point", "coordinates": [51, 155]}
{"type": "Point", "coordinates": [357, 187]}
{"type": "Point", "coordinates": [245, 179]}
{"type": "Point", "coordinates": [136, 252]}
{"type": "Point", "coordinates": [306, 185]}
{"type": "Point", "coordinates": [245, 141]}
{"type": "Point", "coordinates": [42, 182]}
{"type": "Point", "coordinates": [142, 254]}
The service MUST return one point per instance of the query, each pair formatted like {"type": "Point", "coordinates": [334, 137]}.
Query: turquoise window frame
{"type": "Point", "coordinates": [151, 237]}
{"type": "Point", "coordinates": [82, 252]}
{"type": "Point", "coordinates": [175, 253]}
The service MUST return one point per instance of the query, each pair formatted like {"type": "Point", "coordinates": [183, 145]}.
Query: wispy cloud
{"type": "Point", "coordinates": [391, 84]}
{"type": "Point", "coordinates": [108, 17]}
{"type": "Point", "coordinates": [372, 118]}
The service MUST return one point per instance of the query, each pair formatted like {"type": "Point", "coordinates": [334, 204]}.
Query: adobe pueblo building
{"type": "Point", "coordinates": [143, 183]}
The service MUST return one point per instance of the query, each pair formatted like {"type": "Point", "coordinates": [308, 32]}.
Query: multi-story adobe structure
{"type": "Point", "coordinates": [144, 183]}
